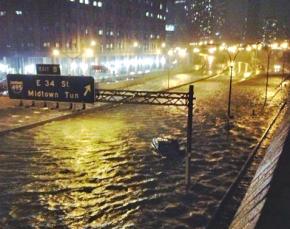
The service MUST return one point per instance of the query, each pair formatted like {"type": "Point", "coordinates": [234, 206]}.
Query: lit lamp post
{"type": "Point", "coordinates": [55, 54]}
{"type": "Point", "coordinates": [269, 49]}
{"type": "Point", "coordinates": [269, 52]}
{"type": "Point", "coordinates": [284, 47]}
{"type": "Point", "coordinates": [170, 54]}
{"type": "Point", "coordinates": [231, 50]}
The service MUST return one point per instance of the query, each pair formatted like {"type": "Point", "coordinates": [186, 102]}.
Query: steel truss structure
{"type": "Point", "coordinates": [143, 97]}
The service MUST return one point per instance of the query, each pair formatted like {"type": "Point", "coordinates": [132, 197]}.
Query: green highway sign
{"type": "Point", "coordinates": [48, 69]}
{"type": "Point", "coordinates": [74, 89]}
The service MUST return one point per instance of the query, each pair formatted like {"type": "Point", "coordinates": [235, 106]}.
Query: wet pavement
{"type": "Point", "coordinates": [98, 171]}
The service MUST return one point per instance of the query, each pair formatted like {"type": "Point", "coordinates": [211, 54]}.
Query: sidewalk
{"type": "Point", "coordinates": [14, 116]}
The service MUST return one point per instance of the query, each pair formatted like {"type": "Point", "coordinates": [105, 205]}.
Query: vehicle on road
{"type": "Point", "coordinates": [166, 147]}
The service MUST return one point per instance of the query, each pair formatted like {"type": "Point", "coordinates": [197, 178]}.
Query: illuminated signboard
{"type": "Point", "coordinates": [51, 88]}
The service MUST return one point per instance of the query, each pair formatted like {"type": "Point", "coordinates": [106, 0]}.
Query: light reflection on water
{"type": "Point", "coordinates": [98, 170]}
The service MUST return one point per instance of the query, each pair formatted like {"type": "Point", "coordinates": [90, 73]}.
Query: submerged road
{"type": "Point", "coordinates": [98, 171]}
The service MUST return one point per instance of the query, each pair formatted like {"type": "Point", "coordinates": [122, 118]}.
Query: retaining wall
{"type": "Point", "coordinates": [267, 201]}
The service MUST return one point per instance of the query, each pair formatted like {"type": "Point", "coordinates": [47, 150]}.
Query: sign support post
{"type": "Point", "coordinates": [189, 137]}
{"type": "Point", "coordinates": [47, 69]}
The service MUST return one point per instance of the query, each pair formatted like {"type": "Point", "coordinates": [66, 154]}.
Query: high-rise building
{"type": "Point", "coordinates": [274, 20]}
{"type": "Point", "coordinates": [33, 28]}
{"type": "Point", "coordinates": [207, 19]}
{"type": "Point", "coordinates": [235, 16]}
{"type": "Point", "coordinates": [202, 18]}
{"type": "Point", "coordinates": [268, 20]}
{"type": "Point", "coordinates": [253, 20]}
{"type": "Point", "coordinates": [178, 23]}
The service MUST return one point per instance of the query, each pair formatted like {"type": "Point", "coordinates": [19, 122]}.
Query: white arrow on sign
{"type": "Point", "coordinates": [87, 89]}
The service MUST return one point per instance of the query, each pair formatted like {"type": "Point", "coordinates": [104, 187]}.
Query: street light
{"type": "Point", "coordinates": [235, 51]}
{"type": "Point", "coordinates": [55, 54]}
{"type": "Point", "coordinates": [170, 54]}
{"type": "Point", "coordinates": [89, 53]}
{"type": "Point", "coordinates": [284, 47]}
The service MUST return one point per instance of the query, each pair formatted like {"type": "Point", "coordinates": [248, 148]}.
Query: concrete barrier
{"type": "Point", "coordinates": [267, 201]}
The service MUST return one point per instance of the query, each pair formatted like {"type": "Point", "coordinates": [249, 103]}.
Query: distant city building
{"type": "Point", "coordinates": [202, 19]}
{"type": "Point", "coordinates": [253, 20]}
{"type": "Point", "coordinates": [34, 28]}
{"type": "Point", "coordinates": [195, 20]}
{"type": "Point", "coordinates": [177, 23]}
{"type": "Point", "coordinates": [236, 16]}
{"type": "Point", "coordinates": [268, 20]}
{"type": "Point", "coordinates": [274, 20]}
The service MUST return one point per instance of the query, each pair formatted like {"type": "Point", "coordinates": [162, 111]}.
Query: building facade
{"type": "Point", "coordinates": [108, 28]}
{"type": "Point", "coordinates": [178, 23]}
{"type": "Point", "coordinates": [201, 19]}
{"type": "Point", "coordinates": [268, 21]}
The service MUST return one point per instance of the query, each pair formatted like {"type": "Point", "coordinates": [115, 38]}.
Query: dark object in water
{"type": "Point", "coordinates": [166, 147]}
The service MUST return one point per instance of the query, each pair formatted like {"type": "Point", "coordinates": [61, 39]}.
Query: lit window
{"type": "Point", "coordinates": [101, 32]}
{"type": "Point", "coordinates": [100, 4]}
{"type": "Point", "coordinates": [2, 13]}
{"type": "Point", "coordinates": [18, 12]}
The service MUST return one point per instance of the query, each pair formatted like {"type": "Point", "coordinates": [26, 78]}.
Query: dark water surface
{"type": "Point", "coordinates": [98, 171]}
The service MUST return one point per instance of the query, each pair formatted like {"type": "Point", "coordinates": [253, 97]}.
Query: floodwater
{"type": "Point", "coordinates": [98, 171]}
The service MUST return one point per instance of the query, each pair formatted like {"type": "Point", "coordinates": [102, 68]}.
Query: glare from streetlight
{"type": "Point", "coordinates": [285, 45]}
{"type": "Point", "coordinates": [55, 52]}
{"type": "Point", "coordinates": [274, 46]}
{"type": "Point", "coordinates": [249, 49]}
{"type": "Point", "coordinates": [212, 50]}
{"type": "Point", "coordinates": [182, 53]}
{"type": "Point", "coordinates": [93, 43]}
{"type": "Point", "coordinates": [196, 50]}
{"type": "Point", "coordinates": [135, 44]}
{"type": "Point", "coordinates": [232, 49]}
{"type": "Point", "coordinates": [89, 53]}
{"type": "Point", "coordinates": [170, 52]}
{"type": "Point", "coordinates": [210, 60]}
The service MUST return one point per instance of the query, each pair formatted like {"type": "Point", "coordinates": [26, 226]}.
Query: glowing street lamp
{"type": "Point", "coordinates": [212, 50]}
{"type": "Point", "coordinates": [210, 60]}
{"type": "Point", "coordinates": [196, 50]}
{"type": "Point", "coordinates": [158, 51]}
{"type": "Point", "coordinates": [285, 45]}
{"type": "Point", "coordinates": [235, 51]}
{"type": "Point", "coordinates": [182, 53]}
{"type": "Point", "coordinates": [89, 53]}
{"type": "Point", "coordinates": [249, 48]}
{"type": "Point", "coordinates": [170, 52]}
{"type": "Point", "coordinates": [55, 52]}
{"type": "Point", "coordinates": [93, 43]}
{"type": "Point", "coordinates": [135, 44]}
{"type": "Point", "coordinates": [232, 49]}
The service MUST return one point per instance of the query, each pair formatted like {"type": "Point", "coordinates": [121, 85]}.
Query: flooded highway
{"type": "Point", "coordinates": [98, 170]}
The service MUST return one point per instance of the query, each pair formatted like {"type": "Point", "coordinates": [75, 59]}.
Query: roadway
{"type": "Point", "coordinates": [97, 170]}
